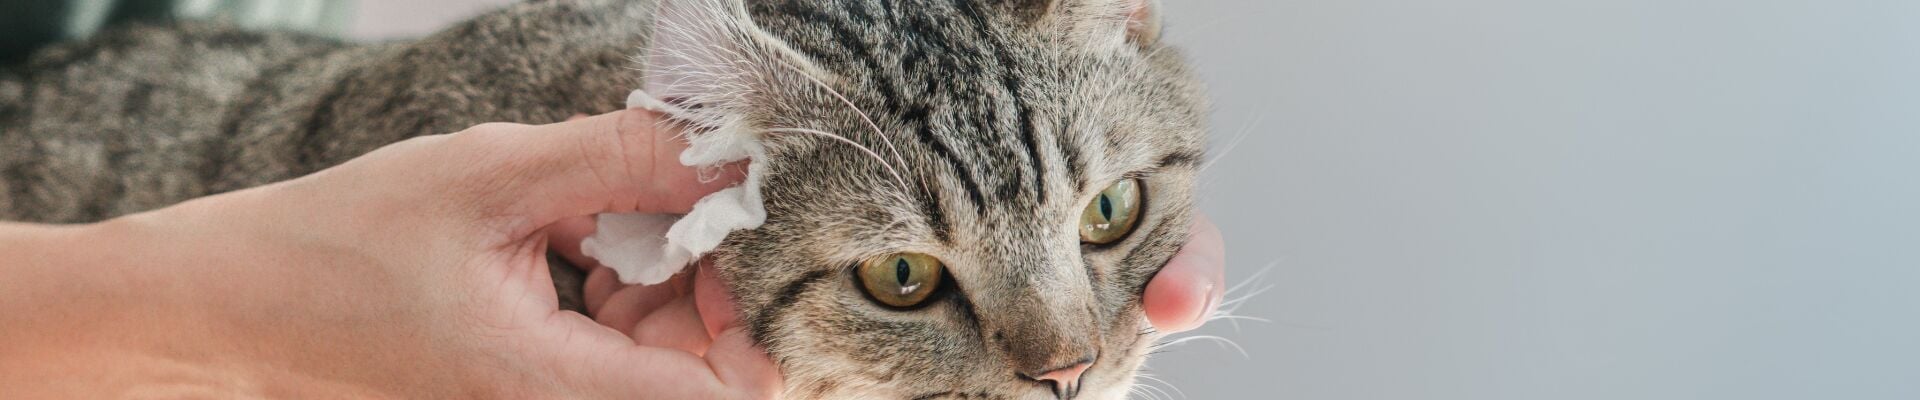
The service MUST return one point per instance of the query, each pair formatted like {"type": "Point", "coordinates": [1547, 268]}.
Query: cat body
{"type": "Point", "coordinates": [140, 118]}
{"type": "Point", "coordinates": [980, 135]}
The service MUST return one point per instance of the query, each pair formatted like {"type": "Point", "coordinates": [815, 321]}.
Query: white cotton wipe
{"type": "Point", "coordinates": [648, 249]}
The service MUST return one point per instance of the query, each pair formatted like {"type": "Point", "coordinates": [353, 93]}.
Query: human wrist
{"type": "Point", "coordinates": [144, 298]}
{"type": "Point", "coordinates": [106, 281]}
{"type": "Point", "coordinates": [33, 271]}
{"type": "Point", "coordinates": [77, 323]}
{"type": "Point", "coordinates": [54, 269]}
{"type": "Point", "coordinates": [301, 306]}
{"type": "Point", "coordinates": [28, 245]}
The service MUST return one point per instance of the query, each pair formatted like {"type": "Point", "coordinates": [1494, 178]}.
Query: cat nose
{"type": "Point", "coordinates": [1065, 381]}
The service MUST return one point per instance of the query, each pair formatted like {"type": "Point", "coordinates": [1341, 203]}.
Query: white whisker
{"type": "Point", "coordinates": [1238, 294]}
{"type": "Point", "coordinates": [856, 145]}
{"type": "Point", "coordinates": [1154, 392]}
{"type": "Point", "coordinates": [1169, 385]}
{"type": "Point", "coordinates": [1137, 390]}
{"type": "Point", "coordinates": [1239, 136]}
{"type": "Point", "coordinates": [1254, 279]}
{"type": "Point", "coordinates": [1224, 342]}
{"type": "Point", "coordinates": [1150, 392]}
{"type": "Point", "coordinates": [1233, 302]}
{"type": "Point", "coordinates": [856, 110]}
{"type": "Point", "coordinates": [1222, 317]}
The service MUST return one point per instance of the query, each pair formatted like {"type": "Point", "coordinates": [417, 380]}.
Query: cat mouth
{"type": "Point", "coordinates": [1059, 392]}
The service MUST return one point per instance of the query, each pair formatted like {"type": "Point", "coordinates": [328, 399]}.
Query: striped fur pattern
{"type": "Point", "coordinates": [974, 131]}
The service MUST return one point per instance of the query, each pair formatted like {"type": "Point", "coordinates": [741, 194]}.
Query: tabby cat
{"type": "Point", "coordinates": [1035, 157]}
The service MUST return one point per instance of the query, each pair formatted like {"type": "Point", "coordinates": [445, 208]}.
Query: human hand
{"type": "Point", "coordinates": [416, 270]}
{"type": "Point", "coordinates": [685, 312]}
{"type": "Point", "coordinates": [1189, 288]}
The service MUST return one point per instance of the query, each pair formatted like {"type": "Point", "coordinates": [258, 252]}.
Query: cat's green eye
{"type": "Point", "coordinates": [1112, 214]}
{"type": "Point", "coordinates": [901, 280]}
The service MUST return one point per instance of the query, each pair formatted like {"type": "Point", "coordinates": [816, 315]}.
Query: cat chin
{"type": "Point", "coordinates": [1119, 388]}
{"type": "Point", "coordinates": [1115, 388]}
{"type": "Point", "coordinates": [1116, 392]}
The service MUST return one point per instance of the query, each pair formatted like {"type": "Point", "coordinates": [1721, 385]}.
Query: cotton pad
{"type": "Point", "coordinates": [648, 249]}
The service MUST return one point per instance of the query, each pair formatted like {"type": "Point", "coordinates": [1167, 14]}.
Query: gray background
{"type": "Point", "coordinates": [1547, 199]}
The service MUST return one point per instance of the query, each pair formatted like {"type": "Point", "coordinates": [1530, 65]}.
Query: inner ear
{"type": "Point", "coordinates": [1107, 21]}
{"type": "Point", "coordinates": [1143, 24]}
{"type": "Point", "coordinates": [709, 57]}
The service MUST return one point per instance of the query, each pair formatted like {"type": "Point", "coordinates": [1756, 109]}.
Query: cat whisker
{"type": "Point", "coordinates": [1254, 279]}
{"type": "Point", "coordinates": [864, 117]}
{"type": "Point", "coordinates": [856, 145]}
{"type": "Point", "coordinates": [1231, 318]}
{"type": "Point", "coordinates": [1141, 389]}
{"type": "Point", "coordinates": [1169, 385]}
{"type": "Point", "coordinates": [1224, 342]}
{"type": "Point", "coordinates": [1234, 299]}
{"type": "Point", "coordinates": [1234, 303]}
{"type": "Point", "coordinates": [1238, 294]}
{"type": "Point", "coordinates": [1153, 392]}
{"type": "Point", "coordinates": [1239, 137]}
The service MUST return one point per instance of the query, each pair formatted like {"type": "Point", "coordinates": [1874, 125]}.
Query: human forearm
{"type": "Point", "coordinates": [70, 330]}
{"type": "Point", "coordinates": [395, 274]}
{"type": "Point", "coordinates": [159, 301]}
{"type": "Point", "coordinates": [48, 278]}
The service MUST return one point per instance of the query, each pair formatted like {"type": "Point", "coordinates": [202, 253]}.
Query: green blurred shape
{"type": "Point", "coordinates": [28, 24]}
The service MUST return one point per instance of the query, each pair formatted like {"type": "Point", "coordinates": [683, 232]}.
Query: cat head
{"type": "Point", "coordinates": [965, 199]}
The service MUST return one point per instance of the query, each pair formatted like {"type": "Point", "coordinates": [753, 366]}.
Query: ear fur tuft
{"type": "Point", "coordinates": [1107, 22]}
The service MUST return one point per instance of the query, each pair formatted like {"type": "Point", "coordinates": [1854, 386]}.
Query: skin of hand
{"type": "Point", "coordinates": [415, 271]}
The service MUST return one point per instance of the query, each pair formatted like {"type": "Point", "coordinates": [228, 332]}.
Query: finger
{"type": "Point", "coordinates": [601, 283]}
{"type": "Point", "coordinates": [630, 304]}
{"type": "Point", "coordinates": [740, 362]}
{"type": "Point", "coordinates": [625, 161]}
{"type": "Point", "coordinates": [675, 325]}
{"type": "Point", "coordinates": [629, 155]}
{"type": "Point", "coordinates": [742, 366]}
{"type": "Point", "coordinates": [1185, 292]}
{"type": "Point", "coordinates": [622, 370]}
{"type": "Point", "coordinates": [716, 305]}
{"type": "Point", "coordinates": [564, 237]}
{"type": "Point", "coordinates": [610, 366]}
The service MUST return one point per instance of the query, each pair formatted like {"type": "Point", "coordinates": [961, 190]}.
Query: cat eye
{"type": "Point", "coordinates": [1112, 214]}
{"type": "Point", "coordinates": [901, 280]}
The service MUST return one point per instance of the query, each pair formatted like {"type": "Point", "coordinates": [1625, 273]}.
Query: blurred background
{"type": "Point", "coordinates": [26, 24]}
{"type": "Point", "coordinates": [1521, 199]}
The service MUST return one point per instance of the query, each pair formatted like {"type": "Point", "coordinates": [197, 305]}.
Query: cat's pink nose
{"type": "Point", "coordinates": [1065, 381]}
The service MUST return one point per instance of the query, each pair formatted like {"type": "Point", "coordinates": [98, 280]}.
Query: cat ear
{"type": "Point", "coordinates": [707, 65]}
{"type": "Point", "coordinates": [1107, 22]}
{"type": "Point", "coordinates": [709, 58]}
{"type": "Point", "coordinates": [684, 56]}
